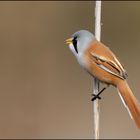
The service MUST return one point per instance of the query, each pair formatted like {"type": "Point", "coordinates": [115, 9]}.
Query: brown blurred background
{"type": "Point", "coordinates": [44, 93]}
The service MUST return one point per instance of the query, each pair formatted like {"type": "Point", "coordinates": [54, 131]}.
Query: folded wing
{"type": "Point", "coordinates": [108, 62]}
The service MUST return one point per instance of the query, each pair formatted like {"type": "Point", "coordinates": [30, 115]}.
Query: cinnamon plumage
{"type": "Point", "coordinates": [98, 60]}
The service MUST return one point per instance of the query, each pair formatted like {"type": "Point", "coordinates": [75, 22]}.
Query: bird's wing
{"type": "Point", "coordinates": [107, 61]}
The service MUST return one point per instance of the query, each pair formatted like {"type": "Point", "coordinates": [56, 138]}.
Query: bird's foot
{"type": "Point", "coordinates": [97, 95]}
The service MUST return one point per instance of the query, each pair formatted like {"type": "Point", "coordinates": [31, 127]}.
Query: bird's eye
{"type": "Point", "coordinates": [74, 41]}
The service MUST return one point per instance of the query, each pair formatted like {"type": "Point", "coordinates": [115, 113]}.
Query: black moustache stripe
{"type": "Point", "coordinates": [75, 45]}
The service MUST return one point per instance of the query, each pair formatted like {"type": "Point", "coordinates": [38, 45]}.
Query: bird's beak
{"type": "Point", "coordinates": [69, 41]}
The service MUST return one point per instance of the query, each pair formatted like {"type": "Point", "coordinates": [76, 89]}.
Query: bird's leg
{"type": "Point", "coordinates": [97, 96]}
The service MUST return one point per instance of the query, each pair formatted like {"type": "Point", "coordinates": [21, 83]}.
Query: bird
{"type": "Point", "coordinates": [101, 63]}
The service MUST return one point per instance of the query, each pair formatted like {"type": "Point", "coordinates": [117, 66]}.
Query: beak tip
{"type": "Point", "coordinates": [68, 41]}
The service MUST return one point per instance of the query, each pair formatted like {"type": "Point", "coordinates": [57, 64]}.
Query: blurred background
{"type": "Point", "coordinates": [44, 93]}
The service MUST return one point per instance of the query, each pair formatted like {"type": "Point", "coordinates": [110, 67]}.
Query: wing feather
{"type": "Point", "coordinates": [110, 66]}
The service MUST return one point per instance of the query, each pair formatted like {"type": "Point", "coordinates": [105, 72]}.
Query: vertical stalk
{"type": "Point", "coordinates": [96, 81]}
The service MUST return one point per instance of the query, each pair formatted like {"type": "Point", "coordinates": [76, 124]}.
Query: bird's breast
{"type": "Point", "coordinates": [82, 60]}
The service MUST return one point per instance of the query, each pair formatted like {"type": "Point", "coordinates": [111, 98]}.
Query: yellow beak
{"type": "Point", "coordinates": [69, 41]}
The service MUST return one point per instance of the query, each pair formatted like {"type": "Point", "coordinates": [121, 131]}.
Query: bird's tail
{"type": "Point", "coordinates": [129, 101]}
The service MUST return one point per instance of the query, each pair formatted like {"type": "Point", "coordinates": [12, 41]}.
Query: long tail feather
{"type": "Point", "coordinates": [129, 101]}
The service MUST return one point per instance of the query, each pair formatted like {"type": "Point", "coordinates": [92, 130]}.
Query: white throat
{"type": "Point", "coordinates": [79, 56]}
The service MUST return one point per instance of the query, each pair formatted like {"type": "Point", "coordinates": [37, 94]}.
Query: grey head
{"type": "Point", "coordinates": [80, 41]}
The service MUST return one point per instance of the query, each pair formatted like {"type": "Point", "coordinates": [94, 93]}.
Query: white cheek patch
{"type": "Point", "coordinates": [72, 49]}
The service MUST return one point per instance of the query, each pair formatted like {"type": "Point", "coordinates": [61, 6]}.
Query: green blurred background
{"type": "Point", "coordinates": [44, 93]}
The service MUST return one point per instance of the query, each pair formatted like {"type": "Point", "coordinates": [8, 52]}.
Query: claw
{"type": "Point", "coordinates": [95, 97]}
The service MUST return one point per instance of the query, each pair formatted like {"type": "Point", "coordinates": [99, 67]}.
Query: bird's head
{"type": "Point", "coordinates": [80, 41]}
